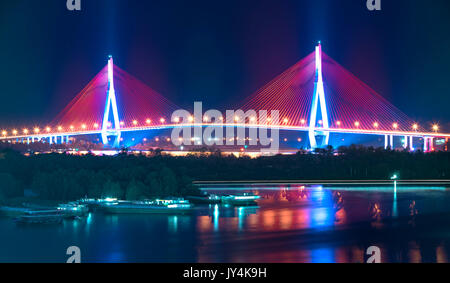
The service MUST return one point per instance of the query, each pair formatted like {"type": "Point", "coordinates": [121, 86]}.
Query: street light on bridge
{"type": "Point", "coordinates": [48, 129]}
{"type": "Point", "coordinates": [36, 130]}
{"type": "Point", "coordinates": [357, 124]}
{"type": "Point", "coordinates": [4, 133]}
{"type": "Point", "coordinates": [60, 129]}
{"type": "Point", "coordinates": [376, 125]}
{"type": "Point", "coordinates": [135, 123]}
{"type": "Point", "coordinates": [415, 127]}
{"type": "Point", "coordinates": [395, 126]}
{"type": "Point", "coordinates": [14, 132]}
{"type": "Point", "coordinates": [25, 131]}
{"type": "Point", "coordinates": [436, 128]}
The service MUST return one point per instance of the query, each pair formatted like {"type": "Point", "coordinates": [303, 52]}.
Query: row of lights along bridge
{"type": "Point", "coordinates": [162, 121]}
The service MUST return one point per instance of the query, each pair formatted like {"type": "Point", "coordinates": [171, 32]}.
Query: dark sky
{"type": "Point", "coordinates": [219, 51]}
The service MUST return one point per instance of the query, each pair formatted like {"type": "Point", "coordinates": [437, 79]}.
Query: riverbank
{"type": "Point", "coordinates": [133, 177]}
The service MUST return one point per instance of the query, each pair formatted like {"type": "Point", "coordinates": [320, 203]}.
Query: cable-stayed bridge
{"type": "Point", "coordinates": [316, 95]}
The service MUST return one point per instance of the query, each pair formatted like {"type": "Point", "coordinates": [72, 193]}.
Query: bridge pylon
{"type": "Point", "coordinates": [111, 128]}
{"type": "Point", "coordinates": [319, 97]}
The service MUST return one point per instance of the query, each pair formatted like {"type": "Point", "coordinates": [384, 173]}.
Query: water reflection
{"type": "Point", "coordinates": [319, 224]}
{"type": "Point", "coordinates": [290, 224]}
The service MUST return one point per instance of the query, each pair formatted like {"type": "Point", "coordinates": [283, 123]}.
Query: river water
{"type": "Point", "coordinates": [289, 224]}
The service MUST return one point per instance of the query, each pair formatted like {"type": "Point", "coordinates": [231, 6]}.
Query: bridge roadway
{"type": "Point", "coordinates": [53, 136]}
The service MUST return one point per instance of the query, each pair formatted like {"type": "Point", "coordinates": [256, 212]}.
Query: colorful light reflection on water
{"type": "Point", "coordinates": [289, 224]}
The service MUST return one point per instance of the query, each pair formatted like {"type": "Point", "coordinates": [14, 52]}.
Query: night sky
{"type": "Point", "coordinates": [219, 52]}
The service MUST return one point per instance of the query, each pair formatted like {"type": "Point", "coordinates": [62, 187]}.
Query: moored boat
{"type": "Point", "coordinates": [160, 206]}
{"type": "Point", "coordinates": [244, 199]}
{"type": "Point", "coordinates": [73, 209]}
{"type": "Point", "coordinates": [205, 199]}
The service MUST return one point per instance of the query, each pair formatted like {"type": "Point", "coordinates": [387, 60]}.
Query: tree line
{"type": "Point", "coordinates": [128, 176]}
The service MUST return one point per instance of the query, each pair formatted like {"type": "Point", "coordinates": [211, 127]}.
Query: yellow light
{"type": "Point", "coordinates": [395, 125]}
{"type": "Point", "coordinates": [135, 122]}
{"type": "Point", "coordinates": [176, 120]}
{"type": "Point", "coordinates": [162, 120]}
{"type": "Point", "coordinates": [148, 121]}
{"type": "Point", "coordinates": [60, 128]}
{"type": "Point", "coordinates": [83, 127]}
{"type": "Point", "coordinates": [121, 123]}
{"type": "Point", "coordinates": [206, 119]}
{"type": "Point", "coordinates": [37, 130]}
{"type": "Point", "coordinates": [96, 125]}
{"type": "Point", "coordinates": [236, 118]}
{"type": "Point", "coordinates": [376, 125]}
{"type": "Point", "coordinates": [435, 128]}
{"type": "Point", "coordinates": [338, 123]}
{"type": "Point", "coordinates": [252, 119]}
{"type": "Point", "coordinates": [48, 129]}
{"type": "Point", "coordinates": [4, 133]}
{"type": "Point", "coordinates": [72, 127]}
{"type": "Point", "coordinates": [286, 120]}
{"type": "Point", "coordinates": [357, 124]}
{"type": "Point", "coordinates": [415, 127]}
{"type": "Point", "coordinates": [25, 131]}
{"type": "Point", "coordinates": [14, 132]}
{"type": "Point", "coordinates": [303, 121]}
{"type": "Point", "coordinates": [168, 139]}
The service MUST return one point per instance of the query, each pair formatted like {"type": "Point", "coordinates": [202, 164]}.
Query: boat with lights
{"type": "Point", "coordinates": [244, 199]}
{"type": "Point", "coordinates": [158, 206]}
{"type": "Point", "coordinates": [205, 199]}
{"type": "Point", "coordinates": [73, 209]}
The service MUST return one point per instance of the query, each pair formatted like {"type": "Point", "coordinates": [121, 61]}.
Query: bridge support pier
{"type": "Point", "coordinates": [411, 143]}
{"type": "Point", "coordinates": [428, 144]}
{"type": "Point", "coordinates": [406, 142]}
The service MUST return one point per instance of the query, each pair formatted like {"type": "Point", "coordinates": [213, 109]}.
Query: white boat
{"type": "Point", "coordinates": [159, 206]}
